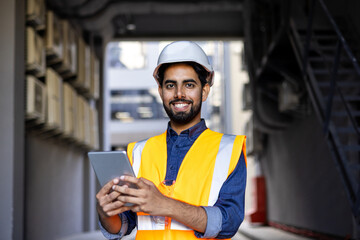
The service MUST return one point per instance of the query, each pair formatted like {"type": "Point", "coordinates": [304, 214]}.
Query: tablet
{"type": "Point", "coordinates": [110, 165]}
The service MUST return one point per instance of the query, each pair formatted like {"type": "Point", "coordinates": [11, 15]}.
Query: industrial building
{"type": "Point", "coordinates": [299, 105]}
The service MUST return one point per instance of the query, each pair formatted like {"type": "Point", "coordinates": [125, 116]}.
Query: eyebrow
{"type": "Point", "coordinates": [185, 81]}
{"type": "Point", "coordinates": [169, 81]}
{"type": "Point", "coordinates": [189, 80]}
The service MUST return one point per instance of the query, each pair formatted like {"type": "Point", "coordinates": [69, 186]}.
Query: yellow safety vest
{"type": "Point", "coordinates": [206, 166]}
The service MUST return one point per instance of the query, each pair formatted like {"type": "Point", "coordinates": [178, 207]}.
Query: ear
{"type": "Point", "coordinates": [205, 92]}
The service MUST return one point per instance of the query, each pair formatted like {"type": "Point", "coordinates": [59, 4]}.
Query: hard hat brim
{"type": "Point", "coordinates": [209, 79]}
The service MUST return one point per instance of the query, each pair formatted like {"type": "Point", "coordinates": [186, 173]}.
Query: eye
{"type": "Point", "coordinates": [169, 85]}
{"type": "Point", "coordinates": [190, 85]}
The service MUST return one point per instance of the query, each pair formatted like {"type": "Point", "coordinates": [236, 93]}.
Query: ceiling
{"type": "Point", "coordinates": [111, 19]}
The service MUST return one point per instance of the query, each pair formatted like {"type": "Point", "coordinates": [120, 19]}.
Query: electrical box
{"type": "Point", "coordinates": [35, 54]}
{"type": "Point", "coordinates": [54, 41]}
{"type": "Point", "coordinates": [54, 87]}
{"type": "Point", "coordinates": [68, 67]}
{"type": "Point", "coordinates": [70, 103]}
{"type": "Point", "coordinates": [84, 66]}
{"type": "Point", "coordinates": [35, 13]}
{"type": "Point", "coordinates": [80, 119]}
{"type": "Point", "coordinates": [35, 99]}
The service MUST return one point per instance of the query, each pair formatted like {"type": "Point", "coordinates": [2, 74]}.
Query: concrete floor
{"type": "Point", "coordinates": [248, 231]}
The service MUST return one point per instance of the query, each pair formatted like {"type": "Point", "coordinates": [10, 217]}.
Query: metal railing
{"type": "Point", "coordinates": [342, 45]}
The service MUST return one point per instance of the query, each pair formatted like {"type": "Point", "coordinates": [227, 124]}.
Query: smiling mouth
{"type": "Point", "coordinates": [180, 105]}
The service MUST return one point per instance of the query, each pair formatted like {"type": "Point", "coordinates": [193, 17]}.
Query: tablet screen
{"type": "Point", "coordinates": [110, 165]}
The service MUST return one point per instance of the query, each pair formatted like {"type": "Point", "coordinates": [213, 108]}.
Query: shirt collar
{"type": "Point", "coordinates": [192, 133]}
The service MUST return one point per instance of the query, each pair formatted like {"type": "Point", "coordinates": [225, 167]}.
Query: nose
{"type": "Point", "coordinates": [179, 92]}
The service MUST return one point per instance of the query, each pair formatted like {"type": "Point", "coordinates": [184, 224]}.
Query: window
{"type": "Point", "coordinates": [127, 55]}
{"type": "Point", "coordinates": [130, 105]}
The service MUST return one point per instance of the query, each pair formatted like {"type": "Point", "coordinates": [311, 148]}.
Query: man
{"type": "Point", "coordinates": [191, 180]}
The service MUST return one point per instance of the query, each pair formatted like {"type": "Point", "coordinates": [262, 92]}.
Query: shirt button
{"type": "Point", "coordinates": [172, 168]}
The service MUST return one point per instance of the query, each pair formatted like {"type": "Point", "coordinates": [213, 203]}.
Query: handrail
{"type": "Point", "coordinates": [352, 189]}
{"type": "Point", "coordinates": [342, 43]}
{"type": "Point", "coordinates": [341, 38]}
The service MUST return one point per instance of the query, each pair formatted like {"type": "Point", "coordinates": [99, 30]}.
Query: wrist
{"type": "Point", "coordinates": [168, 207]}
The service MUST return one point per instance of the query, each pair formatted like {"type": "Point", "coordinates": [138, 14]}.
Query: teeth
{"type": "Point", "coordinates": [180, 105]}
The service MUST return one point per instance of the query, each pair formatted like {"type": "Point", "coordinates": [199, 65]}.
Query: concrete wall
{"type": "Point", "coordinates": [12, 118]}
{"type": "Point", "coordinates": [304, 188]}
{"type": "Point", "coordinates": [47, 188]}
{"type": "Point", "coordinates": [57, 186]}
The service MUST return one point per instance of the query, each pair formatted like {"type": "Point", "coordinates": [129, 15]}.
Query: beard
{"type": "Point", "coordinates": [183, 117]}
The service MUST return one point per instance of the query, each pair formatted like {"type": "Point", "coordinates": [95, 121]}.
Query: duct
{"type": "Point", "coordinates": [268, 114]}
{"type": "Point", "coordinates": [262, 126]}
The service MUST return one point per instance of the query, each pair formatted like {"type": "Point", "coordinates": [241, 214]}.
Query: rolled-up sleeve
{"type": "Point", "coordinates": [121, 233]}
{"type": "Point", "coordinates": [214, 222]}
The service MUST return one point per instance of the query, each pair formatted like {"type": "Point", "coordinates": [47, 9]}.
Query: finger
{"type": "Point", "coordinates": [133, 180]}
{"type": "Point", "coordinates": [130, 199]}
{"type": "Point", "coordinates": [129, 179]}
{"type": "Point", "coordinates": [106, 188]}
{"type": "Point", "coordinates": [125, 190]}
{"type": "Point", "coordinates": [135, 208]}
{"type": "Point", "coordinates": [108, 198]}
{"type": "Point", "coordinates": [113, 206]}
{"type": "Point", "coordinates": [119, 210]}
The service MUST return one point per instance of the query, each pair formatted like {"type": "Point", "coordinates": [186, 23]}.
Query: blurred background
{"type": "Point", "coordinates": [76, 76]}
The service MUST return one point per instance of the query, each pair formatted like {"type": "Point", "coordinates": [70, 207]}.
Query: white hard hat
{"type": "Point", "coordinates": [184, 51]}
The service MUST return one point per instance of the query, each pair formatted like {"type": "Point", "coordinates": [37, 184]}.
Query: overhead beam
{"type": "Point", "coordinates": [100, 9]}
{"type": "Point", "coordinates": [187, 25]}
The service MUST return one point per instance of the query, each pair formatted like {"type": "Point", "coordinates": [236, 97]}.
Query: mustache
{"type": "Point", "coordinates": [180, 100]}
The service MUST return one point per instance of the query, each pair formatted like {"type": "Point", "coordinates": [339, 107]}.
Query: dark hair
{"type": "Point", "coordinates": [200, 70]}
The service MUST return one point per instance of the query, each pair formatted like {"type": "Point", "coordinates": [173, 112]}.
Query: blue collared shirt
{"type": "Point", "coordinates": [225, 217]}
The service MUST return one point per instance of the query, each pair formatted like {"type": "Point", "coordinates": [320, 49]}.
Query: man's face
{"type": "Point", "coordinates": [182, 94]}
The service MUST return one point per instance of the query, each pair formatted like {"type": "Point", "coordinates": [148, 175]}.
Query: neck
{"type": "Point", "coordinates": [178, 128]}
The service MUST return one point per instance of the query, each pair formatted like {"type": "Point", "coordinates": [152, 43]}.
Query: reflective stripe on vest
{"type": "Point", "coordinates": [148, 222]}
{"type": "Point", "coordinates": [221, 167]}
{"type": "Point", "coordinates": [136, 155]}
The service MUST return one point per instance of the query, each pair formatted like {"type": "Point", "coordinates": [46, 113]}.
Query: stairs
{"type": "Point", "coordinates": [333, 84]}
